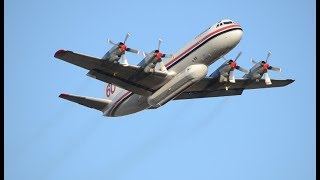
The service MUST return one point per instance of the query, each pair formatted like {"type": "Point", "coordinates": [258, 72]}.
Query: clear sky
{"type": "Point", "coordinates": [263, 134]}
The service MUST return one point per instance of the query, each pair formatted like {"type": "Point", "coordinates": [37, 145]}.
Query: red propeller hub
{"type": "Point", "coordinates": [159, 55]}
{"type": "Point", "coordinates": [265, 66]}
{"type": "Point", "coordinates": [233, 64]}
{"type": "Point", "coordinates": [123, 48]}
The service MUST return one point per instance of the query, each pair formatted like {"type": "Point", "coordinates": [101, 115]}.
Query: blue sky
{"type": "Point", "coordinates": [263, 134]}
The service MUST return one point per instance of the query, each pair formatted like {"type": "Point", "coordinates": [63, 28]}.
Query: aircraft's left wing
{"type": "Point", "coordinates": [131, 78]}
{"type": "Point", "coordinates": [211, 87]}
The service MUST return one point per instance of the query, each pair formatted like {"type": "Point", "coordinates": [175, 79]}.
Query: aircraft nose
{"type": "Point", "coordinates": [236, 36]}
{"type": "Point", "coordinates": [233, 38]}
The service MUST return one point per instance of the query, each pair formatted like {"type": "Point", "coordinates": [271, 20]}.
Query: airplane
{"type": "Point", "coordinates": [182, 75]}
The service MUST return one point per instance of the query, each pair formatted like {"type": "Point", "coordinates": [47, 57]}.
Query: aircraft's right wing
{"type": "Point", "coordinates": [211, 87]}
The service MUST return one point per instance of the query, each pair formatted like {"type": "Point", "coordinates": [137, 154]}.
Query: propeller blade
{"type": "Point", "coordinates": [275, 69]}
{"type": "Point", "coordinates": [144, 54]}
{"type": "Point", "coordinates": [267, 78]}
{"type": "Point", "coordinates": [159, 43]}
{"type": "Point", "coordinates": [269, 53]}
{"type": "Point", "coordinates": [242, 69]}
{"type": "Point", "coordinates": [238, 56]}
{"type": "Point", "coordinates": [125, 39]}
{"type": "Point", "coordinates": [163, 67]}
{"type": "Point", "coordinates": [111, 42]}
{"type": "Point", "coordinates": [231, 77]}
{"type": "Point", "coordinates": [133, 50]}
{"type": "Point", "coordinates": [253, 61]}
{"type": "Point", "coordinates": [167, 56]}
{"type": "Point", "coordinates": [124, 60]}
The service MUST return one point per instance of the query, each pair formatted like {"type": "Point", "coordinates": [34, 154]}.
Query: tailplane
{"type": "Point", "coordinates": [95, 103]}
{"type": "Point", "coordinates": [101, 104]}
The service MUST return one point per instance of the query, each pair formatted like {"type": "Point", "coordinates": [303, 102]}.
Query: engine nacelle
{"type": "Point", "coordinates": [113, 55]}
{"type": "Point", "coordinates": [149, 68]}
{"type": "Point", "coordinates": [149, 63]}
{"type": "Point", "coordinates": [255, 72]}
{"type": "Point", "coordinates": [222, 73]}
{"type": "Point", "coordinates": [178, 84]}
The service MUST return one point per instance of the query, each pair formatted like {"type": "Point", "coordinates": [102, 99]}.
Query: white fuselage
{"type": "Point", "coordinates": [204, 49]}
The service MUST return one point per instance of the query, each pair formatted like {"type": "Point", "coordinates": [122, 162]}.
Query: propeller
{"type": "Point", "coordinates": [233, 65]}
{"type": "Point", "coordinates": [253, 61]}
{"type": "Point", "coordinates": [122, 45]}
{"type": "Point", "coordinates": [124, 60]}
{"type": "Point", "coordinates": [159, 43]}
{"type": "Point", "coordinates": [265, 67]}
{"type": "Point", "coordinates": [158, 55]}
{"type": "Point", "coordinates": [267, 78]}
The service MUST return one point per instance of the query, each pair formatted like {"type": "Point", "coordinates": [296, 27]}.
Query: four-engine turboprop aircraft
{"type": "Point", "coordinates": [182, 75]}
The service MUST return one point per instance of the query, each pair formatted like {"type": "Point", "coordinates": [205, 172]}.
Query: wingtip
{"type": "Point", "coordinates": [63, 95]}
{"type": "Point", "coordinates": [59, 52]}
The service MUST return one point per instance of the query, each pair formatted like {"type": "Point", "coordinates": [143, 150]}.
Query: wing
{"type": "Point", "coordinates": [211, 87]}
{"type": "Point", "coordinates": [95, 103]}
{"type": "Point", "coordinates": [131, 78]}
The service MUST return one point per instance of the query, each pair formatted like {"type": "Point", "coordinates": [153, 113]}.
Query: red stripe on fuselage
{"type": "Point", "coordinates": [197, 43]}
{"type": "Point", "coordinates": [118, 101]}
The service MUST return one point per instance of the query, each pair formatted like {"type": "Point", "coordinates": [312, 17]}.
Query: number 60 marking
{"type": "Point", "coordinates": [110, 89]}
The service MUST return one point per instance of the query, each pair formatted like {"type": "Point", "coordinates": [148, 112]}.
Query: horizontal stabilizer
{"type": "Point", "coordinates": [95, 103]}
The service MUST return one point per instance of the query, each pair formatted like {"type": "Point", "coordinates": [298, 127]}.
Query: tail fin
{"type": "Point", "coordinates": [111, 91]}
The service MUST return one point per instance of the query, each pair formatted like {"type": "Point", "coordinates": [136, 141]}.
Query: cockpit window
{"type": "Point", "coordinates": [228, 22]}
{"type": "Point", "coordinates": [224, 22]}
